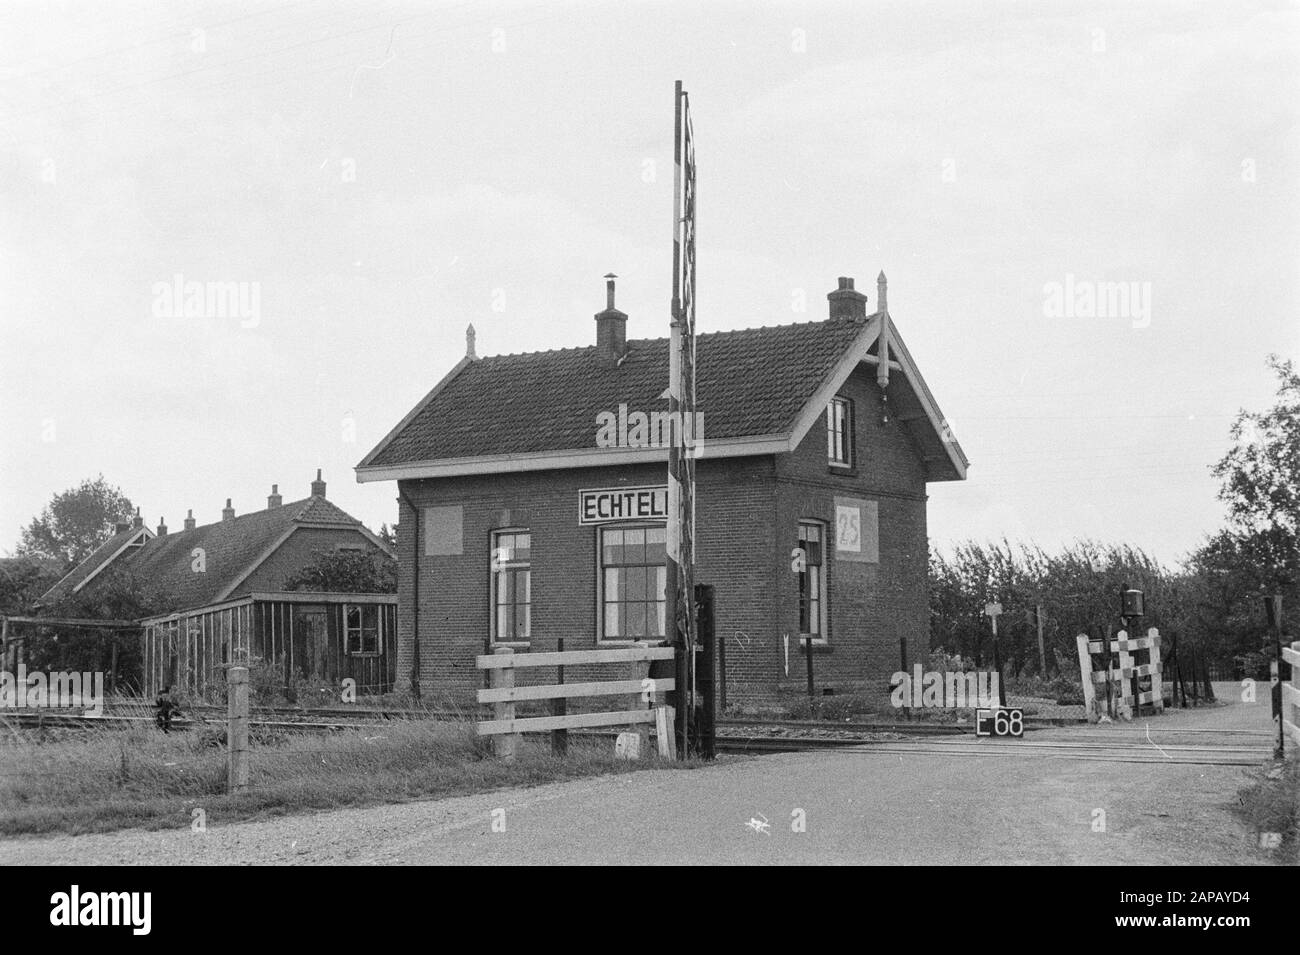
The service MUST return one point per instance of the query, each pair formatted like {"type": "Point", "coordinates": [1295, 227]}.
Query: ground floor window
{"type": "Point", "coordinates": [812, 581]}
{"type": "Point", "coordinates": [512, 585]}
{"type": "Point", "coordinates": [361, 628]}
{"type": "Point", "coordinates": [632, 579]}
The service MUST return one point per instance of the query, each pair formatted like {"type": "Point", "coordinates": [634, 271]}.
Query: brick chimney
{"type": "Point", "coordinates": [318, 486]}
{"type": "Point", "coordinates": [227, 512]}
{"type": "Point", "coordinates": [120, 526]}
{"type": "Point", "coordinates": [611, 326]}
{"type": "Point", "coordinates": [137, 522]}
{"type": "Point", "coordinates": [274, 499]}
{"type": "Point", "coordinates": [847, 304]}
{"type": "Point", "coordinates": [162, 527]}
{"type": "Point", "coordinates": [189, 519]}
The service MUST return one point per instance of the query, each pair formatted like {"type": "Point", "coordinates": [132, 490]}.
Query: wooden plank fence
{"type": "Point", "coordinates": [502, 693]}
{"type": "Point", "coordinates": [1291, 693]}
{"type": "Point", "coordinates": [1120, 678]}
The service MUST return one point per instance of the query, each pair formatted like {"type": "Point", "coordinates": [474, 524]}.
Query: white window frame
{"type": "Point", "coordinates": [361, 633]}
{"type": "Point", "coordinates": [833, 435]}
{"type": "Point", "coordinates": [821, 638]}
{"type": "Point", "coordinates": [494, 571]}
{"type": "Point", "coordinates": [600, 582]}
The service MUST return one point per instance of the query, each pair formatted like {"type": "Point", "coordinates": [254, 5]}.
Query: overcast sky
{"type": "Point", "coordinates": [382, 174]}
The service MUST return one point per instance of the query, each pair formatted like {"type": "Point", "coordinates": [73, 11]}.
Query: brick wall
{"type": "Point", "coordinates": [299, 551]}
{"type": "Point", "coordinates": [747, 514]}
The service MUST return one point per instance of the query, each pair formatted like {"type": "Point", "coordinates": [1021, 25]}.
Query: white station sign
{"type": "Point", "coordinates": [613, 504]}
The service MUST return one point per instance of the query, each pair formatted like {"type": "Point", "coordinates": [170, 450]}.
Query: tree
{"type": "Point", "coordinates": [388, 536]}
{"type": "Point", "coordinates": [24, 579]}
{"type": "Point", "coordinates": [75, 522]}
{"type": "Point", "coordinates": [118, 594]}
{"type": "Point", "coordinates": [347, 572]}
{"type": "Point", "coordinates": [1259, 553]}
{"type": "Point", "coordinates": [1261, 474]}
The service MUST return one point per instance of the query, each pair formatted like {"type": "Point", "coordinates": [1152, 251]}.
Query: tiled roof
{"type": "Point", "coordinates": [750, 382]}
{"type": "Point", "coordinates": [164, 564]}
{"type": "Point", "coordinates": [88, 566]}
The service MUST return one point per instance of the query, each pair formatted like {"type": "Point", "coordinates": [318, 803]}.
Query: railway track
{"type": "Point", "coordinates": [1127, 745]}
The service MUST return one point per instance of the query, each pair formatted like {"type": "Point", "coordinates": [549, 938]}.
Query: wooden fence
{"type": "Point", "coordinates": [1291, 693]}
{"type": "Point", "coordinates": [1114, 681]}
{"type": "Point", "coordinates": [503, 694]}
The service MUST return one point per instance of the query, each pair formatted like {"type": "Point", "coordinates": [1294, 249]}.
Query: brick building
{"type": "Point", "coordinates": [540, 500]}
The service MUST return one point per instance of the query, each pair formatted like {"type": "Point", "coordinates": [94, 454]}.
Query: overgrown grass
{"type": "Point", "coordinates": [1273, 806]}
{"type": "Point", "coordinates": [136, 777]}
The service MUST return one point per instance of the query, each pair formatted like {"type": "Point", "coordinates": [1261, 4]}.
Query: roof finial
{"type": "Point", "coordinates": [880, 291]}
{"type": "Point", "coordinates": [469, 342]}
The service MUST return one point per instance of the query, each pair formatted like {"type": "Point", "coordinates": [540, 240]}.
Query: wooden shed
{"type": "Point", "coordinates": [313, 638]}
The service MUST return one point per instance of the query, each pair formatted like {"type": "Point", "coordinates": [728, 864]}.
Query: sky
{"type": "Point", "coordinates": [377, 176]}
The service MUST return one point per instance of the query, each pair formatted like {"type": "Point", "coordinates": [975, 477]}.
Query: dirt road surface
{"type": "Point", "coordinates": [1165, 802]}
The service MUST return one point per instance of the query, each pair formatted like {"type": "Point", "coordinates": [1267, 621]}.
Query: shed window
{"type": "Point", "coordinates": [839, 432]}
{"type": "Point", "coordinates": [632, 576]}
{"type": "Point", "coordinates": [512, 585]}
{"type": "Point", "coordinates": [361, 623]}
{"type": "Point", "coordinates": [812, 581]}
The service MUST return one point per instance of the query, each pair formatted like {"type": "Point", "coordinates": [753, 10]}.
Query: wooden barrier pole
{"type": "Point", "coordinates": [237, 729]}
{"type": "Point", "coordinates": [560, 707]}
{"type": "Point", "coordinates": [504, 745]}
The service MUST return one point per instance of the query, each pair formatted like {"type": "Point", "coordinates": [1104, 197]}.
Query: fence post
{"type": "Point", "coordinates": [1089, 686]}
{"type": "Point", "coordinates": [639, 670]}
{"type": "Point", "coordinates": [237, 729]}
{"type": "Point", "coordinates": [504, 744]}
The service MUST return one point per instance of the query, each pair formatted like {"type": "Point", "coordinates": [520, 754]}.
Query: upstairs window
{"type": "Point", "coordinates": [839, 433]}
{"type": "Point", "coordinates": [512, 586]}
{"type": "Point", "coordinates": [361, 625]}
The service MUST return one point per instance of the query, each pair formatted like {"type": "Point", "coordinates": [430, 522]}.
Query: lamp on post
{"type": "Point", "coordinates": [1132, 607]}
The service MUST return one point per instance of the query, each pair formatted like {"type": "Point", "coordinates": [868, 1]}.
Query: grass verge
{"type": "Point", "coordinates": [136, 777]}
{"type": "Point", "coordinates": [1270, 808]}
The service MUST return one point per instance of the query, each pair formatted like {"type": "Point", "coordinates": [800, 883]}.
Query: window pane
{"type": "Point", "coordinates": [656, 545]}
{"type": "Point", "coordinates": [528, 585]}
{"type": "Point", "coordinates": [659, 614]}
{"type": "Point", "coordinates": [523, 547]}
{"type": "Point", "coordinates": [636, 583]}
{"type": "Point", "coordinates": [613, 591]}
{"type": "Point", "coordinates": [636, 620]}
{"type": "Point", "coordinates": [524, 621]}
{"type": "Point", "coordinates": [661, 583]}
{"type": "Point", "coordinates": [354, 617]}
{"type": "Point", "coordinates": [613, 541]}
{"type": "Point", "coordinates": [611, 620]}
{"type": "Point", "coordinates": [503, 622]}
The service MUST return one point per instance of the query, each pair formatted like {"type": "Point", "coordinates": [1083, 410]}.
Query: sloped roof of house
{"type": "Point", "coordinates": [232, 550]}
{"type": "Point", "coordinates": [759, 389]}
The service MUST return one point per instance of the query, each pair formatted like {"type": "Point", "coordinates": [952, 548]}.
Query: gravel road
{"type": "Point", "coordinates": [859, 806]}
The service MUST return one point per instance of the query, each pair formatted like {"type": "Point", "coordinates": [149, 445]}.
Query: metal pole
{"type": "Point", "coordinates": [671, 563]}
{"type": "Point", "coordinates": [902, 650]}
{"type": "Point", "coordinates": [808, 656]}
